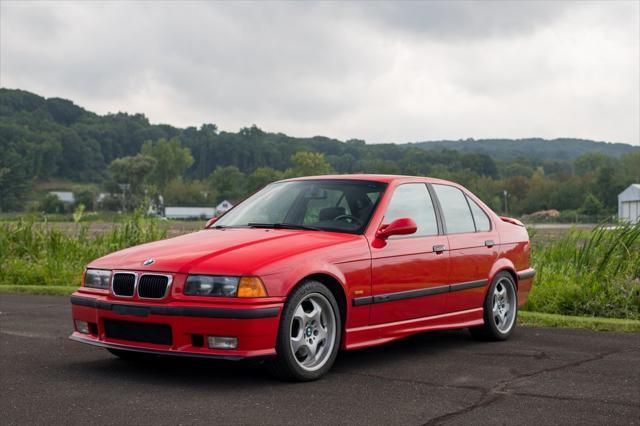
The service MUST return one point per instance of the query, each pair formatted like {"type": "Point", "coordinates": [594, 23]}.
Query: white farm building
{"type": "Point", "coordinates": [189, 212]}
{"type": "Point", "coordinates": [64, 196]}
{"type": "Point", "coordinates": [629, 204]}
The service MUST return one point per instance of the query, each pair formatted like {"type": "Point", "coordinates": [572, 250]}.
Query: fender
{"type": "Point", "coordinates": [354, 278]}
{"type": "Point", "coordinates": [502, 264]}
{"type": "Point", "coordinates": [301, 272]}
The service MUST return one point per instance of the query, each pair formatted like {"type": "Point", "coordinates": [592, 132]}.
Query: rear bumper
{"type": "Point", "coordinates": [255, 326]}
{"type": "Point", "coordinates": [525, 282]}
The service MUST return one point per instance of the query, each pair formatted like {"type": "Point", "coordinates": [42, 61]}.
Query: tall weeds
{"type": "Point", "coordinates": [34, 253]}
{"type": "Point", "coordinates": [583, 273]}
{"type": "Point", "coordinates": [589, 273]}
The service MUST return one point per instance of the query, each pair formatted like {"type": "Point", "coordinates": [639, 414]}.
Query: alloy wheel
{"type": "Point", "coordinates": [504, 305]}
{"type": "Point", "coordinates": [313, 332]}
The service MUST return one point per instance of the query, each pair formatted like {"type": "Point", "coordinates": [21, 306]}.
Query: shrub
{"type": "Point", "coordinates": [593, 273]}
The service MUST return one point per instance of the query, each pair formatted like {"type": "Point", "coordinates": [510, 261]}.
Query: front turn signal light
{"type": "Point", "coordinates": [251, 287]}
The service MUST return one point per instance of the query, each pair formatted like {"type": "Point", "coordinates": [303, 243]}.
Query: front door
{"type": "Point", "coordinates": [409, 273]}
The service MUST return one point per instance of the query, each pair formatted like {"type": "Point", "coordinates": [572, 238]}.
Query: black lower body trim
{"type": "Point", "coordinates": [401, 295]}
{"type": "Point", "coordinates": [359, 301]}
{"type": "Point", "coordinates": [526, 274]}
{"type": "Point", "coordinates": [180, 311]}
{"type": "Point", "coordinates": [468, 285]}
{"type": "Point", "coordinates": [152, 351]}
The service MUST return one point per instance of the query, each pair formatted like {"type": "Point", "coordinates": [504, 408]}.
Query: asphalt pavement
{"type": "Point", "coordinates": [540, 376]}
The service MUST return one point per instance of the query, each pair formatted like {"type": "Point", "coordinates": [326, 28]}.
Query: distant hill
{"type": "Point", "coordinates": [53, 139]}
{"type": "Point", "coordinates": [542, 149]}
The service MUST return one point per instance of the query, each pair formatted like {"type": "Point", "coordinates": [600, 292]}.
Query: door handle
{"type": "Point", "coordinates": [489, 243]}
{"type": "Point", "coordinates": [439, 248]}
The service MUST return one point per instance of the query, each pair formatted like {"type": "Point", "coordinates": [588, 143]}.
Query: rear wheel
{"type": "Point", "coordinates": [500, 310]}
{"type": "Point", "coordinates": [309, 334]}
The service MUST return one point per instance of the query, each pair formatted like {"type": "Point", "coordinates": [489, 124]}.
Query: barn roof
{"type": "Point", "coordinates": [632, 193]}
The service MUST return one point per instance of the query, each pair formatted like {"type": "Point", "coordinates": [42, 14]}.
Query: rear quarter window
{"type": "Point", "coordinates": [457, 215]}
{"type": "Point", "coordinates": [480, 217]}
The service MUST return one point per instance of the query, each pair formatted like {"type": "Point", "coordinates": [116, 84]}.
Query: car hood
{"type": "Point", "coordinates": [231, 251]}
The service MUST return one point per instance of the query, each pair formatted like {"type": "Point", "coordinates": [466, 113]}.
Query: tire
{"type": "Point", "coordinates": [131, 356]}
{"type": "Point", "coordinates": [499, 322]}
{"type": "Point", "coordinates": [309, 334]}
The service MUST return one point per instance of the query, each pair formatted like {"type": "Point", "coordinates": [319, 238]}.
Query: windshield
{"type": "Point", "coordinates": [329, 205]}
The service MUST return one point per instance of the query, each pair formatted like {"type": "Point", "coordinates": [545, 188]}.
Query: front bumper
{"type": "Point", "coordinates": [255, 326]}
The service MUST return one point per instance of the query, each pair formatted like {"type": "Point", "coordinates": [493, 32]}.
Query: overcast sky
{"type": "Point", "coordinates": [383, 72]}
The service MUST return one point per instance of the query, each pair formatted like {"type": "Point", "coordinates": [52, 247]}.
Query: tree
{"type": "Point", "coordinates": [517, 169]}
{"type": "Point", "coordinates": [85, 196]}
{"type": "Point", "coordinates": [592, 205]}
{"type": "Point", "coordinates": [51, 204]}
{"type": "Point", "coordinates": [569, 195]}
{"type": "Point", "coordinates": [606, 189]}
{"type": "Point", "coordinates": [194, 193]}
{"type": "Point", "coordinates": [630, 169]}
{"type": "Point", "coordinates": [482, 164]}
{"type": "Point", "coordinates": [172, 160]}
{"type": "Point", "coordinates": [229, 182]}
{"type": "Point", "coordinates": [262, 176]}
{"type": "Point", "coordinates": [540, 190]}
{"type": "Point", "coordinates": [15, 182]}
{"type": "Point", "coordinates": [590, 162]}
{"type": "Point", "coordinates": [307, 163]}
{"type": "Point", "coordinates": [129, 174]}
{"type": "Point", "coordinates": [252, 133]}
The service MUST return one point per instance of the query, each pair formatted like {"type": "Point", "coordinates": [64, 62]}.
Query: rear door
{"type": "Point", "coordinates": [409, 273]}
{"type": "Point", "coordinates": [473, 244]}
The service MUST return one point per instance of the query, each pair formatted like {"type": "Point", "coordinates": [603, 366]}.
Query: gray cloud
{"type": "Point", "coordinates": [379, 71]}
{"type": "Point", "coordinates": [466, 20]}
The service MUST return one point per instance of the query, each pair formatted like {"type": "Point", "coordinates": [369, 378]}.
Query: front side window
{"type": "Point", "coordinates": [330, 205]}
{"type": "Point", "coordinates": [413, 201]}
{"type": "Point", "coordinates": [457, 215]}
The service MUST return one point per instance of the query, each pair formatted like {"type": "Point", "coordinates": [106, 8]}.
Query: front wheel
{"type": "Point", "coordinates": [500, 310]}
{"type": "Point", "coordinates": [309, 334]}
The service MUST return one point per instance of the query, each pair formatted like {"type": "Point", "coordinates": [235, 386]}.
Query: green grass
{"type": "Point", "coordinates": [34, 254]}
{"type": "Point", "coordinates": [583, 273]}
{"type": "Point", "coordinates": [589, 273]}
{"type": "Point", "coordinates": [538, 319]}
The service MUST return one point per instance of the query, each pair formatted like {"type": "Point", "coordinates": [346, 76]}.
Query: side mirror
{"type": "Point", "coordinates": [402, 226]}
{"type": "Point", "coordinates": [210, 222]}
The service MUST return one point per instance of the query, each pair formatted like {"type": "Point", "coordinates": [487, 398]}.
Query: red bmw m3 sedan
{"type": "Point", "coordinates": [308, 266]}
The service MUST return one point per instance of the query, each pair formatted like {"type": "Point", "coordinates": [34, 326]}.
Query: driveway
{"type": "Point", "coordinates": [541, 376]}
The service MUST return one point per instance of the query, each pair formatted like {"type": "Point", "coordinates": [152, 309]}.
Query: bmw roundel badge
{"type": "Point", "coordinates": [148, 262]}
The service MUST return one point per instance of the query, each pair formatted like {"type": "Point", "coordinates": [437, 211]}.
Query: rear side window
{"type": "Point", "coordinates": [480, 217]}
{"type": "Point", "coordinates": [412, 200]}
{"type": "Point", "coordinates": [457, 215]}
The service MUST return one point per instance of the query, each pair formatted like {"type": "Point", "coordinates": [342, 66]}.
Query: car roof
{"type": "Point", "coordinates": [372, 178]}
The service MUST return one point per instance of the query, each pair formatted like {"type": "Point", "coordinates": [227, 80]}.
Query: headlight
{"type": "Point", "coordinates": [97, 278]}
{"type": "Point", "coordinates": [209, 285]}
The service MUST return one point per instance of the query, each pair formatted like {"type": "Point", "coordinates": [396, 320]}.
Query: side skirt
{"type": "Point", "coordinates": [362, 337]}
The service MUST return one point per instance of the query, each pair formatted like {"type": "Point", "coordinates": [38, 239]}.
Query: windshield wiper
{"type": "Point", "coordinates": [283, 226]}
